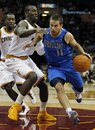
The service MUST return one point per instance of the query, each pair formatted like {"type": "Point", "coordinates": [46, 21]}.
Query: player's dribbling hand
{"type": "Point", "coordinates": [88, 55]}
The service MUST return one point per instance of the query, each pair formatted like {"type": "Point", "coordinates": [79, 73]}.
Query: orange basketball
{"type": "Point", "coordinates": [81, 63]}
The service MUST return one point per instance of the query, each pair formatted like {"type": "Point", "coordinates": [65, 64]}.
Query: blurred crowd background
{"type": "Point", "coordinates": [79, 19]}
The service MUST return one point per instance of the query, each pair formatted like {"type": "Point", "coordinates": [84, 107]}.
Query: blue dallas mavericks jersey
{"type": "Point", "coordinates": [59, 58]}
{"type": "Point", "coordinates": [57, 51]}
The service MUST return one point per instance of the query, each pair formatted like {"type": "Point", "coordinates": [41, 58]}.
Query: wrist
{"type": "Point", "coordinates": [88, 55]}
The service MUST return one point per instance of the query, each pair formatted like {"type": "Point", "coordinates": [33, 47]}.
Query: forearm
{"type": "Point", "coordinates": [79, 49]}
{"type": "Point", "coordinates": [38, 37]}
{"type": "Point", "coordinates": [35, 40]}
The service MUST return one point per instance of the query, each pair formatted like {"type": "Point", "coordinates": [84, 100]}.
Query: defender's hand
{"type": "Point", "coordinates": [40, 30]}
{"type": "Point", "coordinates": [27, 46]}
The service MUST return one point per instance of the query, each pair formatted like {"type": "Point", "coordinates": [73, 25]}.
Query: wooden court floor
{"type": "Point", "coordinates": [86, 111]}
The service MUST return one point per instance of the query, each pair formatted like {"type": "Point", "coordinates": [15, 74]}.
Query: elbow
{"type": "Point", "coordinates": [21, 35]}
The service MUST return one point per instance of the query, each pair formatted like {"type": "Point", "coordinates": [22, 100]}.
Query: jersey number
{"type": "Point", "coordinates": [59, 52]}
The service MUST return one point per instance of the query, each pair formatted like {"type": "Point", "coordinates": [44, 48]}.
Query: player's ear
{"type": "Point", "coordinates": [62, 25]}
{"type": "Point", "coordinates": [25, 14]}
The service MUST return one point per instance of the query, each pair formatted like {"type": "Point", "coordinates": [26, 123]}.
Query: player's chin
{"type": "Point", "coordinates": [54, 34]}
{"type": "Point", "coordinates": [36, 19]}
{"type": "Point", "coordinates": [11, 26]}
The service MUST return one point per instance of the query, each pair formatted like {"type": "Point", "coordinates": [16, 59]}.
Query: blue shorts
{"type": "Point", "coordinates": [71, 76]}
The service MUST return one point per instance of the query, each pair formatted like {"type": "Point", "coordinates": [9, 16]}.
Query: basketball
{"type": "Point", "coordinates": [81, 63]}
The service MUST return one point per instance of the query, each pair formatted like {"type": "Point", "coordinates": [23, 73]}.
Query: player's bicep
{"type": "Point", "coordinates": [69, 38]}
{"type": "Point", "coordinates": [22, 26]}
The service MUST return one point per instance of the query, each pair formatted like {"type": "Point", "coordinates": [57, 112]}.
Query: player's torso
{"type": "Point", "coordinates": [18, 44]}
{"type": "Point", "coordinates": [6, 39]}
{"type": "Point", "coordinates": [56, 49]}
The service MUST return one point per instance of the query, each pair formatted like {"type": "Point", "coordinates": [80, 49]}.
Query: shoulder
{"type": "Point", "coordinates": [64, 30]}
{"type": "Point", "coordinates": [23, 23]}
{"type": "Point", "coordinates": [2, 29]}
{"type": "Point", "coordinates": [68, 37]}
{"type": "Point", "coordinates": [68, 34]}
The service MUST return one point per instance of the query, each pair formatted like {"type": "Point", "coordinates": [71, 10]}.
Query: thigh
{"type": "Point", "coordinates": [75, 79]}
{"type": "Point", "coordinates": [35, 68]}
{"type": "Point", "coordinates": [6, 75]}
{"type": "Point", "coordinates": [18, 66]}
{"type": "Point", "coordinates": [55, 73]}
{"type": "Point", "coordinates": [18, 79]}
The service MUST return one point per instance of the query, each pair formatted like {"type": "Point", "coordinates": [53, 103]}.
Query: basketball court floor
{"type": "Point", "coordinates": [86, 111]}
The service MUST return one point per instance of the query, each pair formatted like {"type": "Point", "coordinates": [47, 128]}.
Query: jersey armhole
{"type": "Point", "coordinates": [43, 38]}
{"type": "Point", "coordinates": [64, 39]}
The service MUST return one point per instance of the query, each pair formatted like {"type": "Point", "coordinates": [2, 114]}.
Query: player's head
{"type": "Point", "coordinates": [10, 20]}
{"type": "Point", "coordinates": [56, 23]}
{"type": "Point", "coordinates": [31, 13]}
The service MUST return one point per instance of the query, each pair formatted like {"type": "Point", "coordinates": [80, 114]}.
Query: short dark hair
{"type": "Point", "coordinates": [6, 15]}
{"type": "Point", "coordinates": [56, 17]}
{"type": "Point", "coordinates": [27, 8]}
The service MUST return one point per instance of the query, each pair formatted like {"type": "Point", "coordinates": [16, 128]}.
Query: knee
{"type": "Point", "coordinates": [32, 76]}
{"type": "Point", "coordinates": [59, 88]}
{"type": "Point", "coordinates": [42, 84]}
{"type": "Point", "coordinates": [57, 81]}
{"type": "Point", "coordinates": [43, 91]}
{"type": "Point", "coordinates": [9, 85]}
{"type": "Point", "coordinates": [79, 89]}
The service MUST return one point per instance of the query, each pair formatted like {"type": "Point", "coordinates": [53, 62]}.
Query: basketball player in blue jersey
{"type": "Point", "coordinates": [58, 45]}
